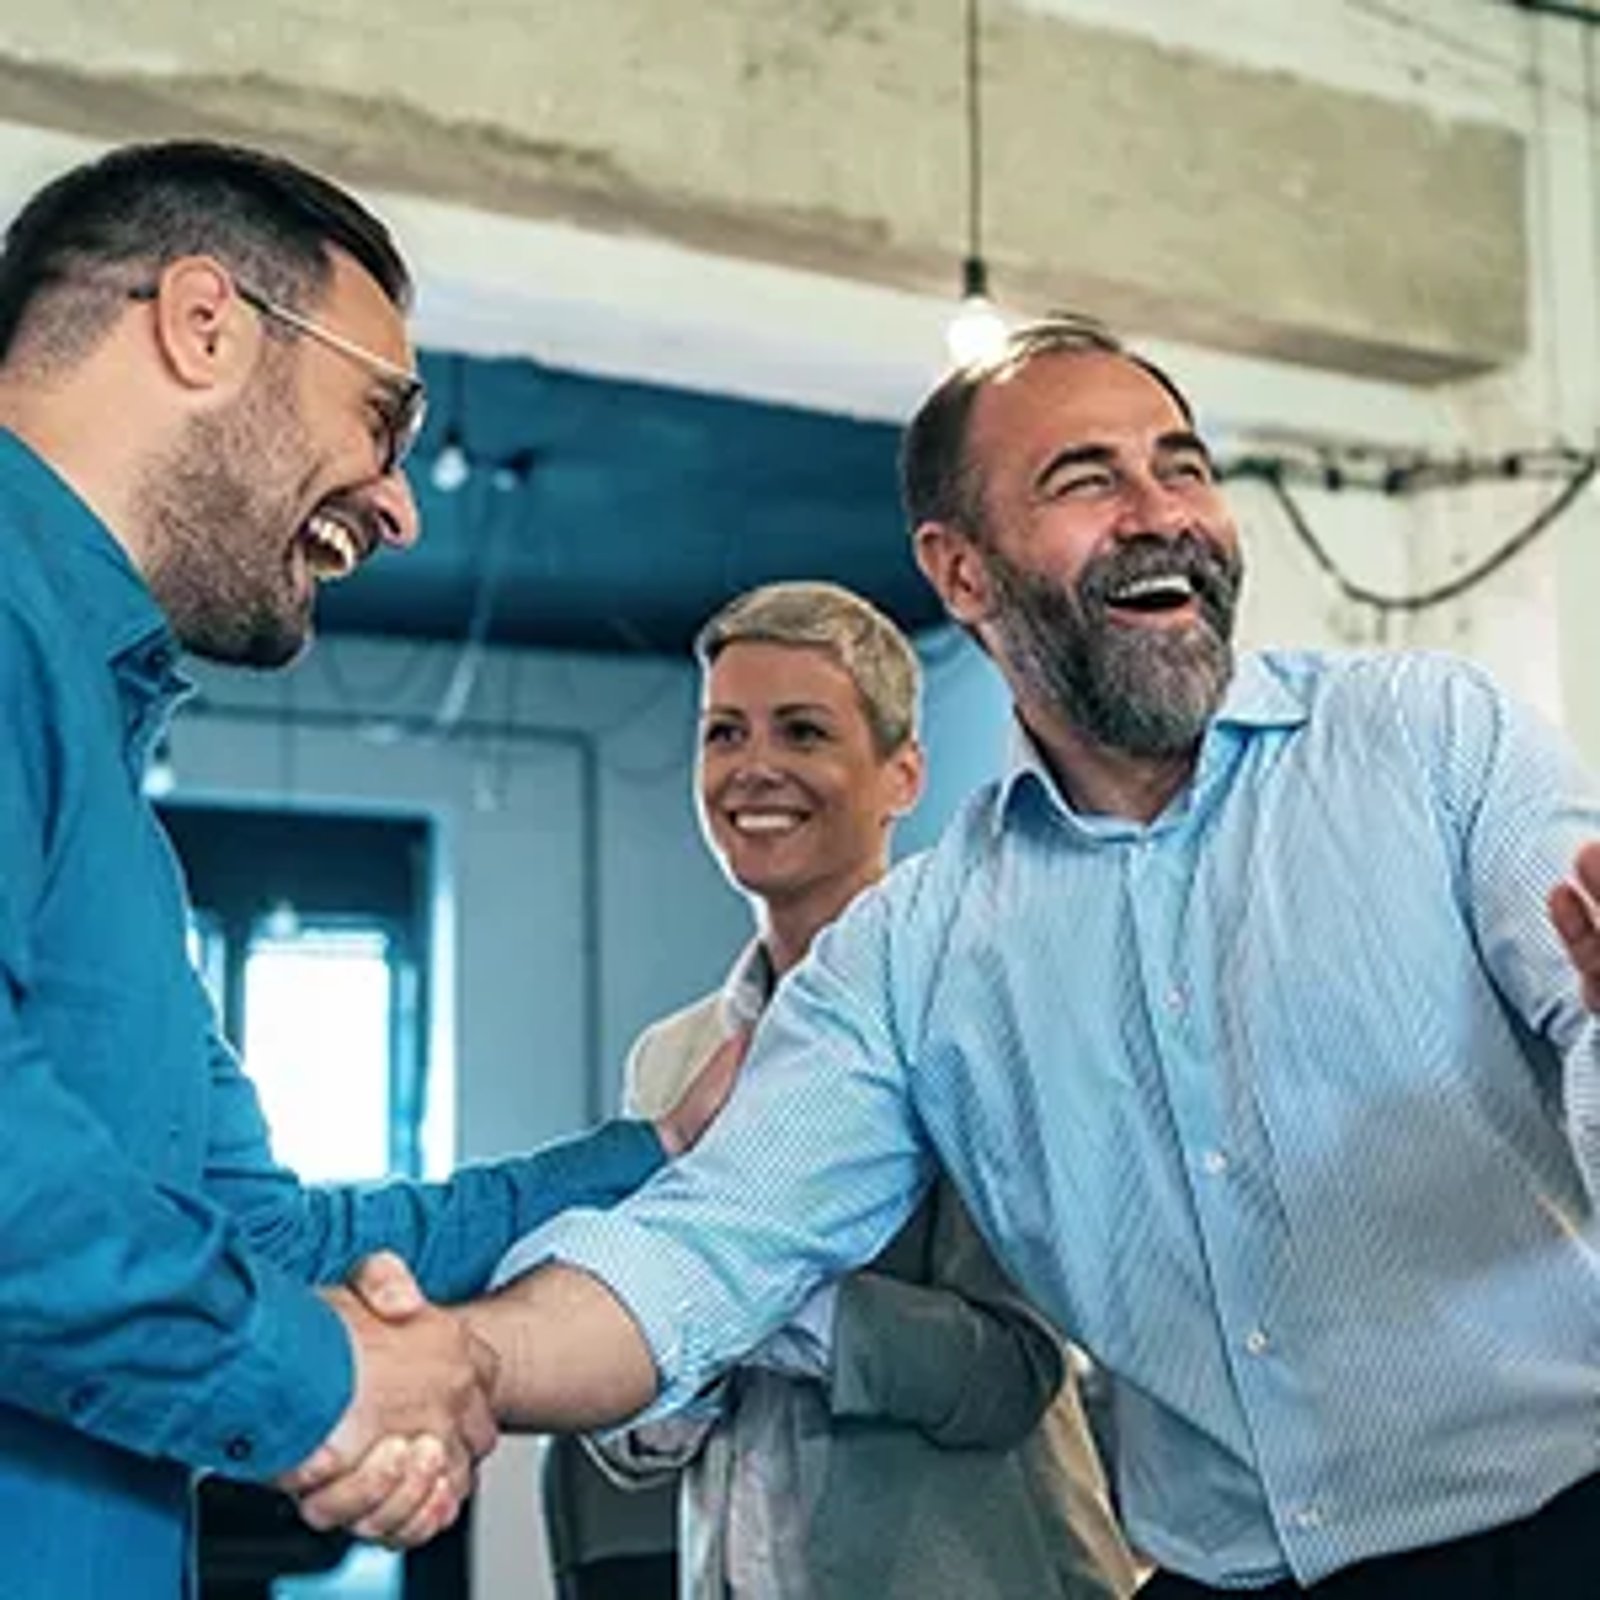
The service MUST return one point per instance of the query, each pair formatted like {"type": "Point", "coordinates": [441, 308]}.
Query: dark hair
{"type": "Point", "coordinates": [938, 482]}
{"type": "Point", "coordinates": [145, 205]}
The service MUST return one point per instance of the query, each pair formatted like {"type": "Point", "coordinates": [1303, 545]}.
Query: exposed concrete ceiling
{"type": "Point", "coordinates": [741, 278]}
{"type": "Point", "coordinates": [1195, 199]}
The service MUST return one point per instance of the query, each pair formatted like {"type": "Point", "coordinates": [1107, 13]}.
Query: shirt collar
{"type": "Point", "coordinates": [1257, 697]}
{"type": "Point", "coordinates": [1261, 697]}
{"type": "Point", "coordinates": [747, 988]}
{"type": "Point", "coordinates": [111, 600]}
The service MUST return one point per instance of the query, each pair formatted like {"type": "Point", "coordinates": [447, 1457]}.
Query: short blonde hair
{"type": "Point", "coordinates": [826, 616]}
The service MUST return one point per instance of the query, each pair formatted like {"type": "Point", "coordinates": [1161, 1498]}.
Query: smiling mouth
{"type": "Point", "coordinates": [333, 547]}
{"type": "Point", "coordinates": [1155, 595]}
{"type": "Point", "coordinates": [764, 824]}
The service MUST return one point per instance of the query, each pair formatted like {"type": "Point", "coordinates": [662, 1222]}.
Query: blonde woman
{"type": "Point", "coordinates": [913, 1434]}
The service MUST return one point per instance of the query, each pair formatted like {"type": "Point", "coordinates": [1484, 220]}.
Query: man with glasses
{"type": "Point", "coordinates": [404, 395]}
{"type": "Point", "coordinates": [206, 393]}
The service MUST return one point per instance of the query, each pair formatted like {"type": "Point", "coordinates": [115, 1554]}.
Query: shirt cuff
{"type": "Point", "coordinates": [263, 1412]}
{"type": "Point", "coordinates": [803, 1346]}
{"type": "Point", "coordinates": [654, 1279]}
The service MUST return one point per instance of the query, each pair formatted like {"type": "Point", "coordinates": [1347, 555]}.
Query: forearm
{"type": "Point", "coordinates": [571, 1356]}
{"type": "Point", "coordinates": [807, 1173]}
{"type": "Point", "coordinates": [451, 1234]}
{"type": "Point", "coordinates": [130, 1311]}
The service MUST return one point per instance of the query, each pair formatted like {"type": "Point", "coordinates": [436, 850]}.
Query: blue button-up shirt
{"type": "Point", "coordinates": [154, 1314]}
{"type": "Point", "coordinates": [1283, 1105]}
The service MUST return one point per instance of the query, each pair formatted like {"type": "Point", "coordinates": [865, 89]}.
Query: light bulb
{"type": "Point", "coordinates": [451, 469]}
{"type": "Point", "coordinates": [977, 331]}
{"type": "Point", "coordinates": [282, 922]}
{"type": "Point", "coordinates": [160, 776]}
{"type": "Point", "coordinates": [159, 779]}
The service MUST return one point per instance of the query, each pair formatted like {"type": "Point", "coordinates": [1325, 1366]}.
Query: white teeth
{"type": "Point", "coordinates": [764, 821]}
{"type": "Point", "coordinates": [1170, 584]}
{"type": "Point", "coordinates": [333, 547]}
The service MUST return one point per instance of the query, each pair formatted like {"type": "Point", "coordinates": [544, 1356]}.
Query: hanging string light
{"type": "Point", "coordinates": [452, 467]}
{"type": "Point", "coordinates": [160, 775]}
{"type": "Point", "coordinates": [977, 329]}
{"type": "Point", "coordinates": [456, 465]}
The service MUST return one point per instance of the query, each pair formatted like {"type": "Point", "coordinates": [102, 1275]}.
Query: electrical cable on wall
{"type": "Point", "coordinates": [1468, 52]}
{"type": "Point", "coordinates": [397, 683]}
{"type": "Point", "coordinates": [1576, 470]}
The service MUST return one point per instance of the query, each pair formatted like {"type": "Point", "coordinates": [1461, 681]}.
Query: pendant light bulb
{"type": "Point", "coordinates": [160, 776]}
{"type": "Point", "coordinates": [282, 922]}
{"type": "Point", "coordinates": [451, 468]}
{"type": "Point", "coordinates": [977, 331]}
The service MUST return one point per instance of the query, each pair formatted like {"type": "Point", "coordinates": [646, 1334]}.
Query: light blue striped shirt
{"type": "Point", "coordinates": [1284, 1106]}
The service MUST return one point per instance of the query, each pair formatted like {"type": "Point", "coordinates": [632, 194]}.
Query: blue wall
{"type": "Point", "coordinates": [575, 900]}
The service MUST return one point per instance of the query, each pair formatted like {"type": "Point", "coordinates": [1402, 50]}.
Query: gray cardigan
{"type": "Point", "coordinates": [942, 1455]}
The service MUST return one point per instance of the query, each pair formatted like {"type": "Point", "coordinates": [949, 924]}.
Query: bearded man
{"type": "Point", "coordinates": [1250, 1013]}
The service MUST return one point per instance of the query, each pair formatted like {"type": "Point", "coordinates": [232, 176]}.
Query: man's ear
{"type": "Point", "coordinates": [954, 565]}
{"type": "Point", "coordinates": [205, 333]}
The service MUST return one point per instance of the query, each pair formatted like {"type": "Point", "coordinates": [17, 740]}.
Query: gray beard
{"type": "Point", "coordinates": [1146, 692]}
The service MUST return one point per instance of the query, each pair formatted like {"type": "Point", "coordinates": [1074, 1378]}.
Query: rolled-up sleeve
{"type": "Point", "coordinates": [1522, 804]}
{"type": "Point", "coordinates": [812, 1167]}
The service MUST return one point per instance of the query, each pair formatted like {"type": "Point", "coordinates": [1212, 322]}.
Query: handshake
{"type": "Point", "coordinates": [400, 1462]}
{"type": "Point", "coordinates": [402, 1459]}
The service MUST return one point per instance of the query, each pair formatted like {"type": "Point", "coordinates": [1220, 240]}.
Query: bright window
{"type": "Point", "coordinates": [319, 1009]}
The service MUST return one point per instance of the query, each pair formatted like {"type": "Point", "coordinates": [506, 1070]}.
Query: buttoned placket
{"type": "Point", "coordinates": [1160, 864]}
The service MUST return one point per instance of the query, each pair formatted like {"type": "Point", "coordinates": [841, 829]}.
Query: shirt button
{"type": "Point", "coordinates": [1175, 999]}
{"type": "Point", "coordinates": [1215, 1162]}
{"type": "Point", "coordinates": [1256, 1342]}
{"type": "Point", "coordinates": [1306, 1517]}
{"type": "Point", "coordinates": [239, 1448]}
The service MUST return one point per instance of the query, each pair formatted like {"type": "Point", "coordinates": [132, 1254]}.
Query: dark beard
{"type": "Point", "coordinates": [1146, 692]}
{"type": "Point", "coordinates": [222, 537]}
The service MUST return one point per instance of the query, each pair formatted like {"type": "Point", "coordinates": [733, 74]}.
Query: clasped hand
{"type": "Point", "coordinates": [400, 1463]}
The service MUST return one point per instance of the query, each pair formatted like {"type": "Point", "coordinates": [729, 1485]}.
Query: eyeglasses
{"type": "Point", "coordinates": [406, 398]}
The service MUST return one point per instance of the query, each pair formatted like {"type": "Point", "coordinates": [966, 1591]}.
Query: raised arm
{"type": "Point", "coordinates": [1528, 816]}
{"type": "Point", "coordinates": [452, 1233]}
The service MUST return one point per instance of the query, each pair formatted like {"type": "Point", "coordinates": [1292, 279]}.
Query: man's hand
{"type": "Point", "coordinates": [400, 1462]}
{"type": "Point", "coordinates": [680, 1127]}
{"type": "Point", "coordinates": [1575, 911]}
